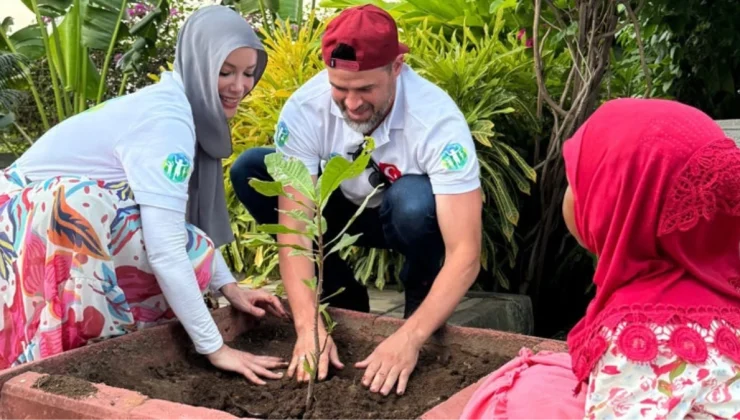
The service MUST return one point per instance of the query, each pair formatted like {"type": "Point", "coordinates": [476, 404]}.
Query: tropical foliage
{"type": "Point", "coordinates": [12, 68]}
{"type": "Point", "coordinates": [84, 52]}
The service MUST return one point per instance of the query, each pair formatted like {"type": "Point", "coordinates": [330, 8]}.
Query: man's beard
{"type": "Point", "coordinates": [365, 127]}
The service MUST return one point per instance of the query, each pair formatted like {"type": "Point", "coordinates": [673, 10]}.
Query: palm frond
{"type": "Point", "coordinates": [10, 98]}
{"type": "Point", "coordinates": [11, 67]}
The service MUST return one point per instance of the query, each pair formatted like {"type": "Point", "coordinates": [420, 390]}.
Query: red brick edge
{"type": "Point", "coordinates": [18, 399]}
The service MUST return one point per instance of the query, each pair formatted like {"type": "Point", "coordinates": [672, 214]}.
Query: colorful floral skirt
{"type": "Point", "coordinates": [653, 372]}
{"type": "Point", "coordinates": [74, 266]}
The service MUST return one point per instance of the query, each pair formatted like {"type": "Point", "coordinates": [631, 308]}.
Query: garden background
{"type": "Point", "coordinates": [525, 73]}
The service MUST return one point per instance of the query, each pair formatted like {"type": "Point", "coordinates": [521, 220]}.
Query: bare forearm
{"type": "Point", "coordinates": [294, 269]}
{"type": "Point", "coordinates": [454, 279]}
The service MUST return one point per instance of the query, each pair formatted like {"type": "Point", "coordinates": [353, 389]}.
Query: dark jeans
{"type": "Point", "coordinates": [406, 222]}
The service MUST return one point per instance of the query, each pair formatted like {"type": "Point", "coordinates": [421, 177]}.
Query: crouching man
{"type": "Point", "coordinates": [429, 205]}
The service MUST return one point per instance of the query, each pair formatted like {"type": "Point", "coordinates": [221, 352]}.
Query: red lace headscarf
{"type": "Point", "coordinates": [657, 198]}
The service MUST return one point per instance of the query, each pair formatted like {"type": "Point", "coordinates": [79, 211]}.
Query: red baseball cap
{"type": "Point", "coordinates": [370, 31]}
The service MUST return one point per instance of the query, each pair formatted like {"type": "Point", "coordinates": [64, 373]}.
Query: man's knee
{"type": "Point", "coordinates": [409, 206]}
{"type": "Point", "coordinates": [250, 164]}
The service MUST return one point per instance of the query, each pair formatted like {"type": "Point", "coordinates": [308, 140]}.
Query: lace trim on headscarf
{"type": "Point", "coordinates": [709, 183]}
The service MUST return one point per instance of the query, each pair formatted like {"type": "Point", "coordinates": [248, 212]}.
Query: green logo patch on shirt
{"type": "Point", "coordinates": [281, 134]}
{"type": "Point", "coordinates": [454, 157]}
{"type": "Point", "coordinates": [177, 167]}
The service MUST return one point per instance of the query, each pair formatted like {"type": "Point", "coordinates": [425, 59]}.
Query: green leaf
{"type": "Point", "coordinates": [307, 367]}
{"type": "Point", "coordinates": [339, 169]}
{"type": "Point", "coordinates": [291, 172]}
{"type": "Point", "coordinates": [275, 229]}
{"type": "Point", "coordinates": [665, 388]}
{"type": "Point", "coordinates": [290, 10]}
{"type": "Point", "coordinates": [280, 290]}
{"type": "Point", "coordinates": [269, 188]}
{"type": "Point", "coordinates": [99, 23]}
{"type": "Point", "coordinates": [503, 200]}
{"type": "Point", "coordinates": [502, 279]}
{"type": "Point", "coordinates": [347, 240]}
{"type": "Point", "coordinates": [50, 8]}
{"type": "Point", "coordinates": [496, 4]}
{"type": "Point", "coordinates": [6, 119]}
{"type": "Point", "coordinates": [678, 371]}
{"type": "Point", "coordinates": [529, 172]}
{"type": "Point", "coordinates": [27, 41]}
{"type": "Point", "coordinates": [147, 35]}
{"type": "Point", "coordinates": [297, 215]}
{"type": "Point", "coordinates": [144, 26]}
{"type": "Point", "coordinates": [341, 289]}
{"type": "Point", "coordinates": [301, 253]}
{"type": "Point", "coordinates": [67, 36]}
{"type": "Point", "coordinates": [311, 283]}
{"type": "Point", "coordinates": [355, 216]}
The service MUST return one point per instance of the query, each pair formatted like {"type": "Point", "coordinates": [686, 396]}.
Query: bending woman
{"type": "Point", "coordinates": [654, 193]}
{"type": "Point", "coordinates": [110, 221]}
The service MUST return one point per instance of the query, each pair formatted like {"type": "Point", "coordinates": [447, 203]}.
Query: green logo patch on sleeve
{"type": "Point", "coordinates": [177, 167]}
{"type": "Point", "coordinates": [454, 157]}
{"type": "Point", "coordinates": [281, 134]}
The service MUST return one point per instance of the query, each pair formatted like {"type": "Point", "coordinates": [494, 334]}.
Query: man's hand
{"type": "Point", "coordinates": [304, 349]}
{"type": "Point", "coordinates": [253, 302]}
{"type": "Point", "coordinates": [247, 364]}
{"type": "Point", "coordinates": [392, 361]}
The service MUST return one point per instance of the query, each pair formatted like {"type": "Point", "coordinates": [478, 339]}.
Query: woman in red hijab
{"type": "Point", "coordinates": [654, 193]}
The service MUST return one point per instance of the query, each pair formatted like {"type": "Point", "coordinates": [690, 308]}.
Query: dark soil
{"type": "Point", "coordinates": [195, 382]}
{"type": "Point", "coordinates": [68, 386]}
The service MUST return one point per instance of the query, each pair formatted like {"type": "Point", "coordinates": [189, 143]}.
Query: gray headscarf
{"type": "Point", "coordinates": [208, 36]}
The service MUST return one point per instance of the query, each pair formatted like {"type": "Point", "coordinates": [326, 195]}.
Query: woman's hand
{"type": "Point", "coordinates": [247, 364]}
{"type": "Point", "coordinates": [253, 302]}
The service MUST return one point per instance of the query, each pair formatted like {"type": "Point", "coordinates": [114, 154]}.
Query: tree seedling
{"type": "Point", "coordinates": [290, 172]}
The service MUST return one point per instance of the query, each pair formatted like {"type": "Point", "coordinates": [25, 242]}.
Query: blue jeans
{"type": "Point", "coordinates": [406, 222]}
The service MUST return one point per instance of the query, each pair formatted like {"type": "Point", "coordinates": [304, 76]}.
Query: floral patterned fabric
{"type": "Point", "coordinates": [74, 266]}
{"type": "Point", "coordinates": [654, 372]}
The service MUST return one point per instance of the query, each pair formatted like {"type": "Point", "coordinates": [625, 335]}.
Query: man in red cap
{"type": "Point", "coordinates": [424, 161]}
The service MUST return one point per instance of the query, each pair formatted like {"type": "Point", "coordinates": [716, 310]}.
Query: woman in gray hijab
{"type": "Point", "coordinates": [112, 220]}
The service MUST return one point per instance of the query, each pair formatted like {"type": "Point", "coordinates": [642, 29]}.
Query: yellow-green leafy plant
{"type": "Point", "coordinates": [294, 59]}
{"type": "Point", "coordinates": [478, 73]}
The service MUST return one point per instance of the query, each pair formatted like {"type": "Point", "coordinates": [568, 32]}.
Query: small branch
{"type": "Point", "coordinates": [23, 133]}
{"type": "Point", "coordinates": [542, 88]}
{"type": "Point", "coordinates": [568, 81]}
{"type": "Point", "coordinates": [640, 46]}
{"type": "Point", "coordinates": [122, 88]}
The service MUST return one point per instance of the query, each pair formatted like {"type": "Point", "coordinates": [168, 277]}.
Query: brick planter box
{"type": "Point", "coordinates": [20, 398]}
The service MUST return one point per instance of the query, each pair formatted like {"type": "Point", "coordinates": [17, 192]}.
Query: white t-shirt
{"type": "Point", "coordinates": [146, 138]}
{"type": "Point", "coordinates": [425, 133]}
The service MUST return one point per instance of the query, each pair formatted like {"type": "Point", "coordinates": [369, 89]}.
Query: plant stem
{"type": "Point", "coordinates": [317, 299]}
{"type": "Point", "coordinates": [61, 68]}
{"type": "Point", "coordinates": [109, 55]}
{"type": "Point", "coordinates": [23, 133]}
{"type": "Point", "coordinates": [80, 82]}
{"type": "Point", "coordinates": [263, 11]}
{"type": "Point", "coordinates": [82, 104]}
{"type": "Point", "coordinates": [123, 84]}
{"type": "Point", "coordinates": [31, 84]}
{"type": "Point", "coordinates": [54, 82]}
